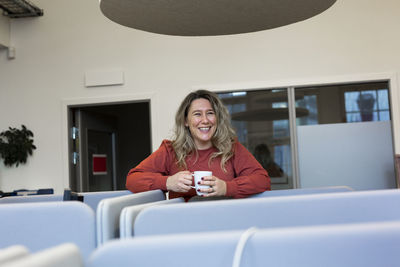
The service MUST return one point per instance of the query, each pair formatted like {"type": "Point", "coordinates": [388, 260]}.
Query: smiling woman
{"type": "Point", "coordinates": [204, 141]}
{"type": "Point", "coordinates": [201, 121]}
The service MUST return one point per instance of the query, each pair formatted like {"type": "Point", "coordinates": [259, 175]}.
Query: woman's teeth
{"type": "Point", "coordinates": [204, 128]}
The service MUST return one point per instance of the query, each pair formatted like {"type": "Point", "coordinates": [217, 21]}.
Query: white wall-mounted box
{"type": "Point", "coordinates": [104, 78]}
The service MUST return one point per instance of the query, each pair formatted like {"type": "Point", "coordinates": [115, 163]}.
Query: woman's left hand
{"type": "Point", "coordinates": [217, 186]}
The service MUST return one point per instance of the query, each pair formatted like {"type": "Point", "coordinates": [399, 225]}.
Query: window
{"type": "Point", "coordinates": [235, 102]}
{"type": "Point", "coordinates": [368, 105]}
{"type": "Point", "coordinates": [261, 121]}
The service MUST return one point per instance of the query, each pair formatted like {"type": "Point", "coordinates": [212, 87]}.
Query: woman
{"type": "Point", "coordinates": [204, 141]}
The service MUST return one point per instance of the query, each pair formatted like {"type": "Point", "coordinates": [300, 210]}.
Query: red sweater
{"type": "Point", "coordinates": [244, 176]}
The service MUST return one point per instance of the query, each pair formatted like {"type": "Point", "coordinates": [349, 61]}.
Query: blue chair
{"type": "Point", "coordinates": [285, 211]}
{"type": "Point", "coordinates": [129, 214]}
{"type": "Point", "coordinates": [92, 199]}
{"type": "Point", "coordinates": [39, 226]}
{"type": "Point", "coordinates": [303, 191]}
{"type": "Point", "coordinates": [26, 192]}
{"type": "Point", "coordinates": [31, 198]}
{"type": "Point", "coordinates": [109, 210]}
{"type": "Point", "coordinates": [350, 245]}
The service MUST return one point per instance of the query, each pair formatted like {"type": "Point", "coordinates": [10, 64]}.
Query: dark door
{"type": "Point", "coordinates": [95, 145]}
{"type": "Point", "coordinates": [101, 160]}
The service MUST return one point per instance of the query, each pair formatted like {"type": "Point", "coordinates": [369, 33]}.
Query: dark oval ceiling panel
{"type": "Point", "coordinates": [210, 17]}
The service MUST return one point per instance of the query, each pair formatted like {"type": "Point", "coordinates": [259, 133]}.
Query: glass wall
{"type": "Point", "coordinates": [261, 119]}
{"type": "Point", "coordinates": [343, 103]}
{"type": "Point", "coordinates": [346, 139]}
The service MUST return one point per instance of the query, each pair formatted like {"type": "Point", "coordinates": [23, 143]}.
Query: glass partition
{"type": "Point", "coordinates": [346, 103]}
{"type": "Point", "coordinates": [346, 139]}
{"type": "Point", "coordinates": [261, 119]}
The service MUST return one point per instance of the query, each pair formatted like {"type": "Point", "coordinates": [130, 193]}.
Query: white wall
{"type": "Point", "coordinates": [357, 38]}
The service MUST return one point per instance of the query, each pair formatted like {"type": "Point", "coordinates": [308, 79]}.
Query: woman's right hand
{"type": "Point", "coordinates": [180, 182]}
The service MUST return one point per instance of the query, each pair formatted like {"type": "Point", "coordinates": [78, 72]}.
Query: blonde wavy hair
{"type": "Point", "coordinates": [222, 140]}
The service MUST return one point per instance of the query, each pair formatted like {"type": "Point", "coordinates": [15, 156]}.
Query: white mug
{"type": "Point", "coordinates": [197, 178]}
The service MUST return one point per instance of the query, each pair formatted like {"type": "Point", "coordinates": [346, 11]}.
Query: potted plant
{"type": "Point", "coordinates": [16, 145]}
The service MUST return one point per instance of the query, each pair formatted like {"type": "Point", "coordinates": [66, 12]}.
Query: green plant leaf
{"type": "Point", "coordinates": [16, 145]}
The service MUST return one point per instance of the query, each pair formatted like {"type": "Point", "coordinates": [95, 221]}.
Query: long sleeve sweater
{"type": "Point", "coordinates": [244, 176]}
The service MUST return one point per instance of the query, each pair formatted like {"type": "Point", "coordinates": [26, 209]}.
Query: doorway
{"type": "Point", "coordinates": [105, 142]}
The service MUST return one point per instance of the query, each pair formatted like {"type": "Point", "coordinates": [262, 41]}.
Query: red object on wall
{"type": "Point", "coordinates": [99, 164]}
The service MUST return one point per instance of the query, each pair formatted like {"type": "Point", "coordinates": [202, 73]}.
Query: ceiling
{"type": "Point", "coordinates": [210, 17]}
